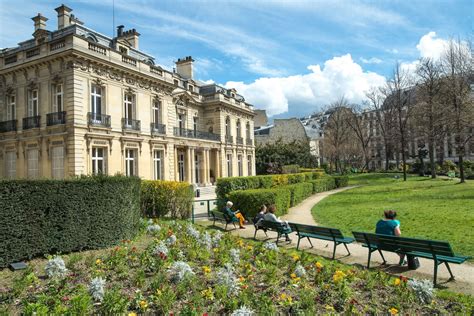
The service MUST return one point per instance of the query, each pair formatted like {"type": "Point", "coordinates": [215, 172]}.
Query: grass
{"type": "Point", "coordinates": [435, 209]}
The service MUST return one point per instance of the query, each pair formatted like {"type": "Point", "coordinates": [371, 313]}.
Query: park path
{"type": "Point", "coordinates": [301, 213]}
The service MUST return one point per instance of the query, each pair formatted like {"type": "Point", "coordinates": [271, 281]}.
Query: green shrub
{"type": "Point", "coordinates": [49, 216]}
{"type": "Point", "coordinates": [266, 182]}
{"type": "Point", "coordinates": [296, 178]}
{"type": "Point", "coordinates": [299, 192]}
{"type": "Point", "coordinates": [323, 184]}
{"type": "Point", "coordinates": [341, 181]}
{"type": "Point", "coordinates": [249, 201]}
{"type": "Point", "coordinates": [280, 180]}
{"type": "Point", "coordinates": [290, 169]}
{"type": "Point", "coordinates": [226, 185]}
{"type": "Point", "coordinates": [166, 198]}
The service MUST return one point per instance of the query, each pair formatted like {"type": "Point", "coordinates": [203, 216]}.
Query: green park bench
{"type": "Point", "coordinates": [439, 251]}
{"type": "Point", "coordinates": [221, 217]}
{"type": "Point", "coordinates": [277, 227]}
{"type": "Point", "coordinates": [323, 233]}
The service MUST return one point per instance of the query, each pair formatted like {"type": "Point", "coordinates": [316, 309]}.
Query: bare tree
{"type": "Point", "coordinates": [360, 126]}
{"type": "Point", "coordinates": [385, 118]}
{"type": "Point", "coordinates": [458, 74]}
{"type": "Point", "coordinates": [400, 96]}
{"type": "Point", "coordinates": [429, 113]}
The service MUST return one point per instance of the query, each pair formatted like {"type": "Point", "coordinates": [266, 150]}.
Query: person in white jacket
{"type": "Point", "coordinates": [271, 217]}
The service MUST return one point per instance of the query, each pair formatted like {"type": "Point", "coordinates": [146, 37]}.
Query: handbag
{"type": "Point", "coordinates": [413, 262]}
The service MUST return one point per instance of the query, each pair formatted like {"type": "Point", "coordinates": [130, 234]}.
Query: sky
{"type": "Point", "coordinates": [289, 57]}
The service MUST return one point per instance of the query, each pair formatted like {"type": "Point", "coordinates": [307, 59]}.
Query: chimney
{"type": "Point", "coordinates": [40, 22]}
{"type": "Point", "coordinates": [64, 16]}
{"type": "Point", "coordinates": [120, 30]}
{"type": "Point", "coordinates": [184, 67]}
{"type": "Point", "coordinates": [131, 36]}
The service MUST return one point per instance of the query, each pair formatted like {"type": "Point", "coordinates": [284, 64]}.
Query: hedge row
{"type": "Point", "coordinates": [250, 201]}
{"type": "Point", "coordinates": [299, 192]}
{"type": "Point", "coordinates": [49, 216]}
{"type": "Point", "coordinates": [341, 181]}
{"type": "Point", "coordinates": [166, 198]}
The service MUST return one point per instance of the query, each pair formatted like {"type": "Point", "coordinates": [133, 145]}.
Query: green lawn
{"type": "Point", "coordinates": [436, 209]}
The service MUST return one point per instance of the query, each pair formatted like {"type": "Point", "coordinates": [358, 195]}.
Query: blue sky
{"type": "Point", "coordinates": [289, 57]}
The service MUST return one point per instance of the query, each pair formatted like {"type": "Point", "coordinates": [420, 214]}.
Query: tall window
{"type": "Point", "coordinates": [247, 130]}
{"type": "Point", "coordinates": [196, 169]}
{"type": "Point", "coordinates": [11, 107]}
{"type": "Point", "coordinates": [249, 165]}
{"type": "Point", "coordinates": [128, 102]}
{"type": "Point", "coordinates": [57, 162]}
{"type": "Point", "coordinates": [195, 125]}
{"type": "Point", "coordinates": [96, 99]}
{"type": "Point", "coordinates": [181, 166]}
{"type": "Point", "coordinates": [99, 160]}
{"type": "Point", "coordinates": [10, 165]}
{"type": "Point", "coordinates": [239, 165]}
{"type": "Point", "coordinates": [239, 129]}
{"type": "Point", "coordinates": [229, 165]}
{"type": "Point", "coordinates": [32, 163]}
{"type": "Point", "coordinates": [158, 164]}
{"type": "Point", "coordinates": [58, 97]}
{"type": "Point", "coordinates": [181, 125]}
{"type": "Point", "coordinates": [227, 126]}
{"type": "Point", "coordinates": [33, 103]}
{"type": "Point", "coordinates": [156, 111]}
{"type": "Point", "coordinates": [131, 162]}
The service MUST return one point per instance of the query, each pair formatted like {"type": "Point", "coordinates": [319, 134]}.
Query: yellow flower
{"type": "Point", "coordinates": [295, 257]}
{"type": "Point", "coordinates": [206, 269]}
{"type": "Point", "coordinates": [293, 276]}
{"type": "Point", "coordinates": [215, 249]}
{"type": "Point", "coordinates": [240, 242]}
{"type": "Point", "coordinates": [98, 262]}
{"type": "Point", "coordinates": [143, 304]}
{"type": "Point", "coordinates": [241, 279]}
{"type": "Point", "coordinates": [158, 292]}
{"type": "Point", "coordinates": [396, 282]}
{"type": "Point", "coordinates": [208, 293]}
{"type": "Point", "coordinates": [132, 314]}
{"type": "Point", "coordinates": [249, 248]}
{"type": "Point", "coordinates": [393, 311]}
{"type": "Point", "coordinates": [338, 276]}
{"type": "Point", "coordinates": [318, 265]}
{"type": "Point", "coordinates": [282, 296]}
{"type": "Point", "coordinates": [329, 308]}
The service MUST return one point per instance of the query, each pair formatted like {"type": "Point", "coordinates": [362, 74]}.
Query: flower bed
{"type": "Point", "coordinates": [180, 268]}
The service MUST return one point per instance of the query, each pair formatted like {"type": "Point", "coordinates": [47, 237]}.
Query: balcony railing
{"type": "Point", "coordinates": [239, 140]}
{"type": "Point", "coordinates": [31, 122]}
{"type": "Point", "coordinates": [249, 141]}
{"type": "Point", "coordinates": [229, 139]}
{"type": "Point", "coordinates": [157, 129]}
{"type": "Point", "coordinates": [8, 126]}
{"type": "Point", "coordinates": [130, 124]}
{"type": "Point", "coordinates": [189, 133]}
{"type": "Point", "coordinates": [96, 119]}
{"type": "Point", "coordinates": [56, 118]}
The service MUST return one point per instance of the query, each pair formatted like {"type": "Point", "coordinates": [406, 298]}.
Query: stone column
{"type": "Point", "coordinates": [193, 165]}
{"type": "Point", "coordinates": [205, 176]}
{"type": "Point", "coordinates": [175, 161]}
{"type": "Point", "coordinates": [188, 165]}
{"type": "Point", "coordinates": [218, 165]}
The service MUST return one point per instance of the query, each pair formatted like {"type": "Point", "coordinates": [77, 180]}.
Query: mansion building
{"type": "Point", "coordinates": [73, 101]}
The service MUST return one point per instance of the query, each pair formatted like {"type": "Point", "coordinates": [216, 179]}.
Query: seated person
{"type": "Point", "coordinates": [390, 226]}
{"type": "Point", "coordinates": [260, 215]}
{"type": "Point", "coordinates": [234, 215]}
{"type": "Point", "coordinates": [271, 217]}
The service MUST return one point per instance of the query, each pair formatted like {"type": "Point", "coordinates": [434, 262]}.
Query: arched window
{"type": "Point", "coordinates": [239, 129]}
{"type": "Point", "coordinates": [227, 127]}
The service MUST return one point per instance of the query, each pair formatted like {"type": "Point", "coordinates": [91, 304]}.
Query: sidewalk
{"type": "Point", "coordinates": [301, 213]}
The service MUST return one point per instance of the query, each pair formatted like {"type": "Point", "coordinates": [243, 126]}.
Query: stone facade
{"type": "Point", "coordinates": [287, 130]}
{"type": "Point", "coordinates": [73, 101]}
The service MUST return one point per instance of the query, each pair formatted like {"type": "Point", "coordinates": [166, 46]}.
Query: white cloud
{"type": "Point", "coordinates": [430, 46]}
{"type": "Point", "coordinates": [373, 60]}
{"type": "Point", "coordinates": [339, 76]}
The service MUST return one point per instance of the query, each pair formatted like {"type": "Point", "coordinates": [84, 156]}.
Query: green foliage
{"type": "Point", "coordinates": [166, 198]}
{"type": "Point", "coordinates": [341, 181]}
{"type": "Point", "coordinates": [323, 184]}
{"type": "Point", "coordinates": [299, 192]}
{"type": "Point", "coordinates": [249, 201]}
{"type": "Point", "coordinates": [49, 216]}
{"type": "Point", "coordinates": [296, 178]}
{"type": "Point", "coordinates": [290, 169]}
{"type": "Point", "coordinates": [270, 158]}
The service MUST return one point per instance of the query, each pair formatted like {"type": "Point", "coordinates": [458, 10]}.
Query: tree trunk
{"type": "Point", "coordinates": [461, 169]}
{"type": "Point", "coordinates": [404, 159]}
{"type": "Point", "coordinates": [432, 160]}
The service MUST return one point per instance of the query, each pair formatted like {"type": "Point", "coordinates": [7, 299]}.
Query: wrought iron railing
{"type": "Point", "coordinates": [97, 119]}
{"type": "Point", "coordinates": [31, 122]}
{"type": "Point", "coordinates": [189, 133]}
{"type": "Point", "coordinates": [157, 128]}
{"type": "Point", "coordinates": [8, 126]}
{"type": "Point", "coordinates": [131, 124]}
{"type": "Point", "coordinates": [55, 118]}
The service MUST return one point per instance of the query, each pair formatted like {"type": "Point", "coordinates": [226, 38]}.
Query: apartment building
{"type": "Point", "coordinates": [74, 101]}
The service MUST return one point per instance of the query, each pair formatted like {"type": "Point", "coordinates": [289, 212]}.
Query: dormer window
{"type": "Point", "coordinates": [191, 88]}
{"type": "Point", "coordinates": [123, 50]}
{"type": "Point", "coordinates": [176, 82]}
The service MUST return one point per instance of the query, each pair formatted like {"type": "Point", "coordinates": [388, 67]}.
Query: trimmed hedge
{"type": "Point", "coordinates": [50, 216]}
{"type": "Point", "coordinates": [323, 184]}
{"type": "Point", "coordinates": [249, 201]}
{"type": "Point", "coordinates": [290, 169]}
{"type": "Point", "coordinates": [166, 198]}
{"type": "Point", "coordinates": [341, 181]}
{"type": "Point", "coordinates": [299, 192]}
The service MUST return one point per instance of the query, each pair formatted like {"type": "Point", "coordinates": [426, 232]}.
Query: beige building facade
{"type": "Point", "coordinates": [73, 101]}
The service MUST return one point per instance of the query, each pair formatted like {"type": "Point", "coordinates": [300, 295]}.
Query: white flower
{"type": "Point", "coordinates": [96, 288]}
{"type": "Point", "coordinates": [243, 311]}
{"type": "Point", "coordinates": [423, 289]}
{"type": "Point", "coordinates": [193, 232]}
{"type": "Point", "coordinates": [56, 268]}
{"type": "Point", "coordinates": [179, 270]}
{"type": "Point", "coordinates": [150, 222]}
{"type": "Point", "coordinates": [180, 255]}
{"type": "Point", "coordinates": [153, 228]}
{"type": "Point", "coordinates": [225, 276]}
{"type": "Point", "coordinates": [235, 255]}
{"type": "Point", "coordinates": [171, 240]}
{"type": "Point", "coordinates": [300, 271]}
{"type": "Point", "coordinates": [160, 249]}
{"type": "Point", "coordinates": [270, 246]}
{"type": "Point", "coordinates": [206, 240]}
{"type": "Point", "coordinates": [216, 239]}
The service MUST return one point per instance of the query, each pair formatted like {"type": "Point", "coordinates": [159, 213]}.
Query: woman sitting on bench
{"type": "Point", "coordinates": [390, 226]}
{"type": "Point", "coordinates": [271, 217]}
{"type": "Point", "coordinates": [234, 215]}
